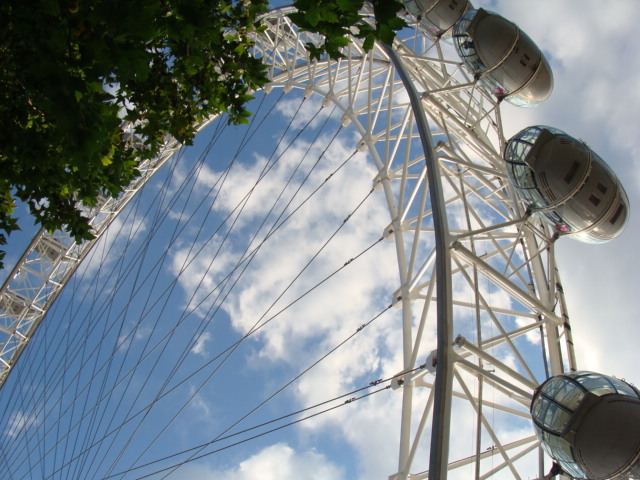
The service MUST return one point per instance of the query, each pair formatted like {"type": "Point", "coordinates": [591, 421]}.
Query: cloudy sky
{"type": "Point", "coordinates": [595, 98]}
{"type": "Point", "coordinates": [596, 67]}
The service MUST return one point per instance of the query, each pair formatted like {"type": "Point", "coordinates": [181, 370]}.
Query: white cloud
{"type": "Point", "coordinates": [19, 422]}
{"type": "Point", "coordinates": [307, 113]}
{"type": "Point", "coordinates": [317, 323]}
{"type": "Point", "coordinates": [276, 462]}
{"type": "Point", "coordinates": [199, 347]}
{"type": "Point", "coordinates": [591, 51]}
{"type": "Point", "coordinates": [595, 98]}
{"type": "Point", "coordinates": [108, 249]}
{"type": "Point", "coordinates": [200, 405]}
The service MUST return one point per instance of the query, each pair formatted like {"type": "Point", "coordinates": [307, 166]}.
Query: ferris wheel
{"type": "Point", "coordinates": [477, 305]}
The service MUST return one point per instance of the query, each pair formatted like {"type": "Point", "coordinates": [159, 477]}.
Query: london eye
{"type": "Point", "coordinates": [369, 266]}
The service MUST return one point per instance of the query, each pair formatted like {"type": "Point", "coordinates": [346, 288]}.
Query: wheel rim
{"type": "Point", "coordinates": [505, 281]}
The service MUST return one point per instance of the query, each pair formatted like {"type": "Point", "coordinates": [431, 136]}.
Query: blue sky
{"type": "Point", "coordinates": [595, 98]}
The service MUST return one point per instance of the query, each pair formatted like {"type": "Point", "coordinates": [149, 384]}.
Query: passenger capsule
{"type": "Point", "coordinates": [589, 424]}
{"type": "Point", "coordinates": [437, 17]}
{"type": "Point", "coordinates": [567, 183]}
{"type": "Point", "coordinates": [503, 58]}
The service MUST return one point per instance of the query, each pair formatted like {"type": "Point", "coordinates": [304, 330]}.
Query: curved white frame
{"type": "Point", "coordinates": [517, 261]}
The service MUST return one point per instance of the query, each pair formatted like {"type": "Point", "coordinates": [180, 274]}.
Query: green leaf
{"type": "Point", "coordinates": [334, 20]}
{"type": "Point", "coordinates": [313, 16]}
{"type": "Point", "coordinates": [329, 16]}
{"type": "Point", "coordinates": [368, 43]}
{"type": "Point", "coordinates": [71, 70]}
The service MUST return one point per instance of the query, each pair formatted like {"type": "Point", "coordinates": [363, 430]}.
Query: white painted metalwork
{"type": "Point", "coordinates": [48, 263]}
{"type": "Point", "coordinates": [506, 301]}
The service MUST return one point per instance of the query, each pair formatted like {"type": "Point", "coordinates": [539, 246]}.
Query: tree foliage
{"type": "Point", "coordinates": [337, 19]}
{"type": "Point", "coordinates": [75, 73]}
{"type": "Point", "coordinates": [81, 78]}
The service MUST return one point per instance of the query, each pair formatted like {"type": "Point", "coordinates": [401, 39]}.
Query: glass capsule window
{"type": "Point", "coordinates": [556, 401]}
{"type": "Point", "coordinates": [573, 469]}
{"type": "Point", "coordinates": [558, 222]}
{"type": "Point", "coordinates": [417, 10]}
{"type": "Point", "coordinates": [569, 396]}
{"type": "Point", "coordinates": [567, 392]}
{"type": "Point", "coordinates": [437, 17]}
{"type": "Point", "coordinates": [559, 449]}
{"type": "Point", "coordinates": [520, 173]}
{"type": "Point", "coordinates": [429, 27]}
{"type": "Point", "coordinates": [553, 386]}
{"type": "Point", "coordinates": [554, 404]}
{"type": "Point", "coordinates": [522, 100]}
{"type": "Point", "coordinates": [520, 144]}
{"type": "Point", "coordinates": [556, 418]}
{"type": "Point", "coordinates": [624, 388]}
{"type": "Point", "coordinates": [464, 44]}
{"type": "Point", "coordinates": [494, 85]}
{"type": "Point", "coordinates": [549, 414]}
{"type": "Point", "coordinates": [412, 7]}
{"type": "Point", "coordinates": [599, 384]}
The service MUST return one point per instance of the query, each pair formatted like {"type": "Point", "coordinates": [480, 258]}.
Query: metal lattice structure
{"type": "Point", "coordinates": [465, 246]}
{"type": "Point", "coordinates": [48, 263]}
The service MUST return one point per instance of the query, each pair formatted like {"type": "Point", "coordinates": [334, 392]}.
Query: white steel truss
{"type": "Point", "coordinates": [508, 325]}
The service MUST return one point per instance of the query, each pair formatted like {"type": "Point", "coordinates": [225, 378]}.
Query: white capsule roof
{"type": "Point", "coordinates": [567, 183]}
{"type": "Point", "coordinates": [503, 58]}
{"type": "Point", "coordinates": [437, 17]}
